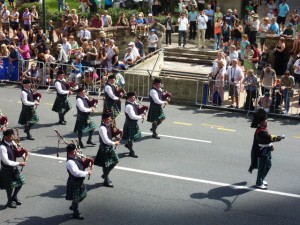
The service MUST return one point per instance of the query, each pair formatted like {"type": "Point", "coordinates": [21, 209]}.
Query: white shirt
{"type": "Point", "coordinates": [135, 52]}
{"type": "Point", "coordinates": [152, 39]}
{"type": "Point", "coordinates": [202, 19]}
{"type": "Point", "coordinates": [104, 137]}
{"type": "Point", "coordinates": [183, 24]}
{"type": "Point", "coordinates": [297, 64]}
{"type": "Point", "coordinates": [84, 34]}
{"type": "Point", "coordinates": [154, 96]}
{"type": "Point", "coordinates": [127, 57]}
{"type": "Point", "coordinates": [67, 48]}
{"type": "Point", "coordinates": [80, 105]}
{"type": "Point", "coordinates": [214, 67]}
{"type": "Point", "coordinates": [73, 168]}
{"type": "Point", "coordinates": [4, 156]}
{"type": "Point", "coordinates": [131, 113]}
{"type": "Point", "coordinates": [16, 15]}
{"type": "Point", "coordinates": [5, 16]}
{"type": "Point", "coordinates": [24, 99]}
{"type": "Point", "coordinates": [110, 93]}
{"type": "Point", "coordinates": [59, 89]}
{"type": "Point", "coordinates": [236, 73]}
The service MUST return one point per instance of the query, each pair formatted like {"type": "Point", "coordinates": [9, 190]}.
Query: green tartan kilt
{"type": "Point", "coordinates": [28, 116]}
{"type": "Point", "coordinates": [106, 156]}
{"type": "Point", "coordinates": [155, 113]}
{"type": "Point", "coordinates": [76, 191]}
{"type": "Point", "coordinates": [61, 104]}
{"type": "Point", "coordinates": [111, 108]}
{"type": "Point", "coordinates": [84, 123]}
{"type": "Point", "coordinates": [131, 131]}
{"type": "Point", "coordinates": [9, 178]}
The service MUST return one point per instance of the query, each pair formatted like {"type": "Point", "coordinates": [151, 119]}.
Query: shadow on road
{"type": "Point", "coordinates": [58, 191]}
{"type": "Point", "coordinates": [36, 220]}
{"type": "Point", "coordinates": [221, 193]}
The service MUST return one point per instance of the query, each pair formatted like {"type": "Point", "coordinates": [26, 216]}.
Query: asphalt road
{"type": "Point", "coordinates": [195, 174]}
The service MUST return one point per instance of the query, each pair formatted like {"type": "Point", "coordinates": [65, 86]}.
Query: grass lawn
{"type": "Point", "coordinates": [51, 5]}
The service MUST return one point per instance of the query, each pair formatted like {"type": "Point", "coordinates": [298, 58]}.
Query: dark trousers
{"type": "Point", "coordinates": [209, 30]}
{"type": "Point", "coordinates": [192, 30]}
{"type": "Point", "coordinates": [252, 37]}
{"type": "Point", "coordinates": [264, 165]}
{"type": "Point", "coordinates": [182, 34]}
{"type": "Point", "coordinates": [168, 37]}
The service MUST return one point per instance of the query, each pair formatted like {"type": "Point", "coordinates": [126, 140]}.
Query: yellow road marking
{"type": "Point", "coordinates": [296, 136]}
{"type": "Point", "coordinates": [46, 103]}
{"type": "Point", "coordinates": [231, 130]}
{"type": "Point", "coordinates": [187, 124]}
{"type": "Point", "coordinates": [210, 125]}
{"type": "Point", "coordinates": [19, 102]}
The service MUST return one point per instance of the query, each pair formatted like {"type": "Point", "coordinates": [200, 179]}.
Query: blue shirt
{"type": "Point", "coordinates": [274, 28]}
{"type": "Point", "coordinates": [77, 66]}
{"type": "Point", "coordinates": [192, 16]}
{"type": "Point", "coordinates": [209, 12]}
{"type": "Point", "coordinates": [283, 10]}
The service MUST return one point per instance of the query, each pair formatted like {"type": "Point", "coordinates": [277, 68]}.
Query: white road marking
{"type": "Point", "coordinates": [181, 138]}
{"type": "Point", "coordinates": [185, 178]}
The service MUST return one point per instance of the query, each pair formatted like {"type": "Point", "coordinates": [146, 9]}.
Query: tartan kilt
{"type": "Point", "coordinates": [155, 113]}
{"type": "Point", "coordinates": [61, 104]}
{"type": "Point", "coordinates": [106, 156]}
{"type": "Point", "coordinates": [131, 131]}
{"type": "Point", "coordinates": [28, 116]}
{"type": "Point", "coordinates": [84, 123]}
{"type": "Point", "coordinates": [76, 191]}
{"type": "Point", "coordinates": [8, 180]}
{"type": "Point", "coordinates": [111, 108]}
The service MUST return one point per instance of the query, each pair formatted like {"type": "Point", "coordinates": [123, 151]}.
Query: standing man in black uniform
{"type": "Point", "coordinates": [61, 104]}
{"type": "Point", "coordinates": [106, 156]}
{"type": "Point", "coordinates": [11, 179]}
{"type": "Point", "coordinates": [28, 116]}
{"type": "Point", "coordinates": [156, 114]}
{"type": "Point", "coordinates": [262, 147]}
{"type": "Point", "coordinates": [84, 123]}
{"type": "Point", "coordinates": [131, 130]}
{"type": "Point", "coordinates": [110, 102]}
{"type": "Point", "coordinates": [76, 190]}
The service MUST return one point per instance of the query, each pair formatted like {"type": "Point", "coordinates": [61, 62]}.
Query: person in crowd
{"type": "Point", "coordinates": [152, 39]}
{"type": "Point", "coordinates": [218, 33]}
{"type": "Point", "coordinates": [283, 10]}
{"type": "Point", "coordinates": [107, 21]}
{"type": "Point", "coordinates": [183, 25]}
{"type": "Point", "coordinates": [256, 57]}
{"type": "Point", "coordinates": [296, 68]}
{"type": "Point", "coordinates": [11, 178]}
{"type": "Point", "coordinates": [226, 34]}
{"type": "Point", "coordinates": [229, 18]}
{"type": "Point", "coordinates": [279, 56]}
{"type": "Point", "coordinates": [14, 20]}
{"type": "Point", "coordinates": [169, 30]}
{"type": "Point", "coordinates": [248, 58]}
{"type": "Point", "coordinates": [234, 77]}
{"type": "Point", "coordinates": [159, 30]}
{"type": "Point", "coordinates": [201, 30]}
{"type": "Point", "coordinates": [264, 30]}
{"type": "Point", "coordinates": [84, 34]}
{"type": "Point", "coordinates": [5, 17]}
{"type": "Point", "coordinates": [209, 24]}
{"type": "Point", "coordinates": [288, 31]}
{"type": "Point", "coordinates": [122, 21]}
{"type": "Point", "coordinates": [270, 9]}
{"type": "Point", "coordinates": [265, 102]}
{"type": "Point", "coordinates": [25, 52]}
{"type": "Point", "coordinates": [287, 85]}
{"type": "Point", "coordinates": [236, 33]}
{"type": "Point", "coordinates": [76, 72]}
{"type": "Point", "coordinates": [192, 17]}
{"type": "Point", "coordinates": [267, 79]}
{"type": "Point", "coordinates": [62, 58]}
{"type": "Point", "coordinates": [274, 27]}
{"type": "Point", "coordinates": [233, 54]}
{"type": "Point", "coordinates": [218, 15]}
{"type": "Point", "coordinates": [97, 21]}
{"type": "Point", "coordinates": [251, 85]}
{"type": "Point", "coordinates": [218, 78]}
{"type": "Point", "coordinates": [135, 52]}
{"type": "Point", "coordinates": [254, 27]}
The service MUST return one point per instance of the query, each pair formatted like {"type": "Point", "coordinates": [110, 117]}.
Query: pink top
{"type": "Point", "coordinates": [26, 54]}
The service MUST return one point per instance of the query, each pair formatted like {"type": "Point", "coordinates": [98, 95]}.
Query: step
{"type": "Point", "coordinates": [208, 52]}
{"type": "Point", "coordinates": [188, 60]}
{"type": "Point", "coordinates": [190, 55]}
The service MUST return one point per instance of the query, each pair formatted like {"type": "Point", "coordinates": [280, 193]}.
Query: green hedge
{"type": "Point", "coordinates": [113, 12]}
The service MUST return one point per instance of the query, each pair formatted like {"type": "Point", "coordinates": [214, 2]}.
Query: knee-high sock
{"type": "Point", "coordinates": [75, 207]}
{"type": "Point", "coordinates": [15, 194]}
{"type": "Point", "coordinates": [90, 135]}
{"type": "Point", "coordinates": [9, 195]}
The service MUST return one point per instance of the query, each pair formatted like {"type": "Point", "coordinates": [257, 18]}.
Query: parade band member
{"type": "Point", "coordinates": [11, 179]}
{"type": "Point", "coordinates": [76, 190]}
{"type": "Point", "coordinates": [106, 155]}
{"type": "Point", "coordinates": [28, 116]}
{"type": "Point", "coordinates": [61, 104]}
{"type": "Point", "coordinates": [261, 148]}
{"type": "Point", "coordinates": [156, 115]}
{"type": "Point", "coordinates": [131, 130]}
{"type": "Point", "coordinates": [110, 103]}
{"type": "Point", "coordinates": [84, 123]}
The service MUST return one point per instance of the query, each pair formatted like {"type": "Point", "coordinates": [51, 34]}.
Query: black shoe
{"type": "Point", "coordinates": [108, 184]}
{"type": "Point", "coordinates": [133, 155]}
{"type": "Point", "coordinates": [81, 145]}
{"type": "Point", "coordinates": [29, 137]}
{"type": "Point", "coordinates": [11, 205]}
{"type": "Point", "coordinates": [90, 143]}
{"type": "Point", "coordinates": [155, 136]}
{"type": "Point", "coordinates": [126, 146]}
{"type": "Point", "coordinates": [71, 208]}
{"type": "Point", "coordinates": [17, 201]}
{"type": "Point", "coordinates": [78, 216]}
{"type": "Point", "coordinates": [62, 122]}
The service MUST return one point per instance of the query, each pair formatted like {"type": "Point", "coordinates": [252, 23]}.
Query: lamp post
{"type": "Point", "coordinates": [44, 15]}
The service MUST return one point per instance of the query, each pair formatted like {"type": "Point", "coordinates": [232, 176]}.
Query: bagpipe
{"type": "Point", "coordinates": [19, 150]}
{"type": "Point", "coordinates": [93, 102]}
{"type": "Point", "coordinates": [85, 161]}
{"type": "Point", "coordinates": [166, 96]}
{"type": "Point", "coordinates": [120, 92]}
{"type": "Point", "coordinates": [142, 109]}
{"type": "Point", "coordinates": [116, 132]}
{"type": "Point", "coordinates": [3, 121]}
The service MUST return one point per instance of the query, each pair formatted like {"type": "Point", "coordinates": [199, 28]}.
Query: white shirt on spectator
{"type": "Point", "coordinates": [236, 73]}
{"type": "Point", "coordinates": [5, 16]}
{"type": "Point", "coordinates": [67, 48]}
{"type": "Point", "coordinates": [202, 19]}
{"type": "Point", "coordinates": [183, 24]}
{"type": "Point", "coordinates": [84, 34]}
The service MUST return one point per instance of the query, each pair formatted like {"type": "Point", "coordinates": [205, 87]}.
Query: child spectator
{"type": "Point", "coordinates": [133, 24]}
